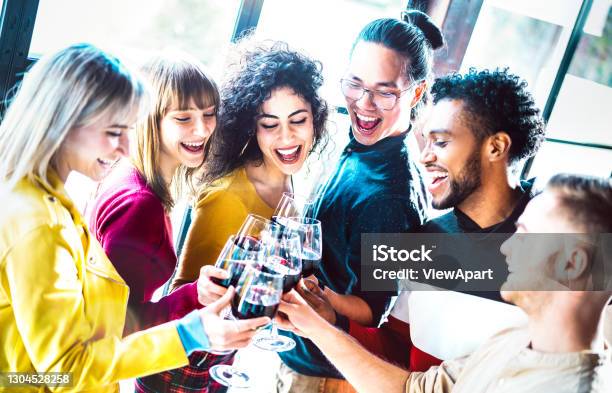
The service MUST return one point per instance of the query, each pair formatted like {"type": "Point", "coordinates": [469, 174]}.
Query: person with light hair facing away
{"type": "Point", "coordinates": [559, 263]}
{"type": "Point", "coordinates": [62, 303]}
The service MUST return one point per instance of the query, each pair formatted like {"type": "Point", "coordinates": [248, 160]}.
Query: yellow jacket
{"type": "Point", "coordinates": [62, 303]}
{"type": "Point", "coordinates": [219, 212]}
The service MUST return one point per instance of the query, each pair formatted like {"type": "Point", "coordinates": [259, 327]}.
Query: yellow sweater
{"type": "Point", "coordinates": [218, 214]}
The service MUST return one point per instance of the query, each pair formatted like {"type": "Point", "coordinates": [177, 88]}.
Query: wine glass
{"type": "Point", "coordinates": [232, 259]}
{"type": "Point", "coordinates": [294, 205]}
{"type": "Point", "coordinates": [258, 294]}
{"type": "Point", "coordinates": [280, 254]}
{"type": "Point", "coordinates": [309, 231]}
{"type": "Point", "coordinates": [250, 233]}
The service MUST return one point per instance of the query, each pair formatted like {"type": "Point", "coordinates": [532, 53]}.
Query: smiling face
{"type": "Point", "coordinates": [285, 130]}
{"type": "Point", "coordinates": [93, 149]}
{"type": "Point", "coordinates": [184, 133]}
{"type": "Point", "coordinates": [380, 69]}
{"type": "Point", "coordinates": [451, 156]}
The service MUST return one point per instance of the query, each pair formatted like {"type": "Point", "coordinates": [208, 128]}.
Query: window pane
{"type": "Point", "coordinates": [202, 28]}
{"type": "Point", "coordinates": [525, 36]}
{"type": "Point", "coordinates": [558, 157]}
{"type": "Point", "coordinates": [579, 113]}
{"type": "Point", "coordinates": [325, 30]}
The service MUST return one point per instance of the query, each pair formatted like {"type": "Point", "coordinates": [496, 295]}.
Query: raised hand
{"type": "Point", "coordinates": [317, 299]}
{"type": "Point", "coordinates": [228, 334]}
{"type": "Point", "coordinates": [298, 316]}
{"type": "Point", "coordinates": [208, 291]}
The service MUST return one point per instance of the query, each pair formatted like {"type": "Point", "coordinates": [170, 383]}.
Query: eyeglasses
{"type": "Point", "coordinates": [381, 99]}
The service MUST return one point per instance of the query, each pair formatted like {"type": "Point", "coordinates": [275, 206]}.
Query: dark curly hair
{"type": "Point", "coordinates": [496, 101]}
{"type": "Point", "coordinates": [261, 68]}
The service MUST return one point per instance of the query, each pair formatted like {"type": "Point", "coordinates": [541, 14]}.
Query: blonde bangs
{"type": "Point", "coordinates": [184, 83]}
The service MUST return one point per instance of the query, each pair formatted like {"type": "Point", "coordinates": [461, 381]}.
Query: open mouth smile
{"type": "Point", "coordinates": [436, 180]}
{"type": "Point", "coordinates": [366, 125]}
{"type": "Point", "coordinates": [193, 147]}
{"type": "Point", "coordinates": [106, 163]}
{"type": "Point", "coordinates": [289, 155]}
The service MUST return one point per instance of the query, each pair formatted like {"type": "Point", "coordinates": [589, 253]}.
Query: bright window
{"type": "Point", "coordinates": [202, 28]}
{"type": "Point", "coordinates": [324, 30]}
{"type": "Point", "coordinates": [555, 158]}
{"type": "Point", "coordinates": [581, 113]}
{"type": "Point", "coordinates": [527, 37]}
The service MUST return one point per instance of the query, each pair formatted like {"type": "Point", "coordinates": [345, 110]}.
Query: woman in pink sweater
{"type": "Point", "coordinates": [129, 215]}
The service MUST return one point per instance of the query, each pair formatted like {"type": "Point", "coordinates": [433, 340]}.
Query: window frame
{"type": "Point", "coordinates": [18, 18]}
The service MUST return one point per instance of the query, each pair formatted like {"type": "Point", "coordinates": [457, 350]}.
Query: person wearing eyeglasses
{"type": "Point", "coordinates": [375, 187]}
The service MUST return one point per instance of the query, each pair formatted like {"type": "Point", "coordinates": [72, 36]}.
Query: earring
{"type": "Point", "coordinates": [245, 147]}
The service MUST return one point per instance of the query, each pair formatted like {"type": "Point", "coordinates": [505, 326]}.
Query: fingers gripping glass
{"type": "Point", "coordinates": [382, 99]}
{"type": "Point", "coordinates": [233, 259]}
{"type": "Point", "coordinates": [257, 295]}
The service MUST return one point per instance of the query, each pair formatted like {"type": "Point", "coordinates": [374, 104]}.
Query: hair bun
{"type": "Point", "coordinates": [426, 25]}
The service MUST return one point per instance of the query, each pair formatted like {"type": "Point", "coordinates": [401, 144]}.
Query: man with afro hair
{"type": "Point", "coordinates": [481, 126]}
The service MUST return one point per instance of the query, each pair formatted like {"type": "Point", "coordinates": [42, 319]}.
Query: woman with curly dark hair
{"type": "Point", "coordinates": [271, 119]}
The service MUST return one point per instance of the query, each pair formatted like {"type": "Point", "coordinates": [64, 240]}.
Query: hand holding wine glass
{"type": "Point", "coordinates": [208, 290]}
{"type": "Point", "coordinates": [297, 316]}
{"type": "Point", "coordinates": [317, 299]}
{"type": "Point", "coordinates": [257, 297]}
{"type": "Point", "coordinates": [226, 334]}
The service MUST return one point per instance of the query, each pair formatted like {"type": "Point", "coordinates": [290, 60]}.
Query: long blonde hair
{"type": "Point", "coordinates": [72, 88]}
{"type": "Point", "coordinates": [175, 81]}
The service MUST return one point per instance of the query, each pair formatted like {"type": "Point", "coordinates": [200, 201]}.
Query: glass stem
{"type": "Point", "coordinates": [273, 330]}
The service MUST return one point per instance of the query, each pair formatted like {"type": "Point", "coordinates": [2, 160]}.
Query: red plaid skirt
{"type": "Point", "coordinates": [191, 378]}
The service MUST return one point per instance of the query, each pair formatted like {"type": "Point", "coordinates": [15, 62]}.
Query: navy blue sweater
{"type": "Point", "coordinates": [374, 189]}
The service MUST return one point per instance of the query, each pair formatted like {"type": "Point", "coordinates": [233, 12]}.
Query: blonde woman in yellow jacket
{"type": "Point", "coordinates": [62, 303]}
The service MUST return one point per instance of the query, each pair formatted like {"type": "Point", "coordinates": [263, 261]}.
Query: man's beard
{"type": "Point", "coordinates": [465, 183]}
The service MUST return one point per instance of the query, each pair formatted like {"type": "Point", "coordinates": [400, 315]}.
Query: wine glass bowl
{"type": "Point", "coordinates": [281, 254]}
{"type": "Point", "coordinates": [310, 234]}
{"type": "Point", "coordinates": [258, 294]}
{"type": "Point", "coordinates": [294, 205]}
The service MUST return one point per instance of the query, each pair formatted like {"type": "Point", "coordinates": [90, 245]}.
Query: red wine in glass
{"type": "Point", "coordinates": [311, 260]}
{"type": "Point", "coordinates": [234, 271]}
{"type": "Point", "coordinates": [279, 265]}
{"type": "Point", "coordinates": [259, 301]}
